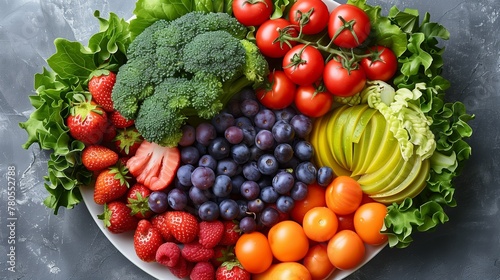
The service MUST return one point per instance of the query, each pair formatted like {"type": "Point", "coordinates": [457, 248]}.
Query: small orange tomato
{"type": "Point", "coordinates": [320, 224]}
{"type": "Point", "coordinates": [288, 241]}
{"type": "Point", "coordinates": [315, 197]}
{"type": "Point", "coordinates": [317, 262]}
{"type": "Point", "coordinates": [368, 222]}
{"type": "Point", "coordinates": [343, 196]}
{"type": "Point", "coordinates": [284, 271]}
{"type": "Point", "coordinates": [346, 250]}
{"type": "Point", "coordinates": [253, 252]}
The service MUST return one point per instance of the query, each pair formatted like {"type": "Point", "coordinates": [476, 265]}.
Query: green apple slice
{"type": "Point", "coordinates": [383, 151]}
{"type": "Point", "coordinates": [373, 142]}
{"type": "Point", "coordinates": [347, 144]}
{"type": "Point", "coordinates": [334, 134]}
{"type": "Point", "coordinates": [406, 174]}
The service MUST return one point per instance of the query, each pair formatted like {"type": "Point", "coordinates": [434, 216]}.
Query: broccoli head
{"type": "Point", "coordinates": [187, 67]}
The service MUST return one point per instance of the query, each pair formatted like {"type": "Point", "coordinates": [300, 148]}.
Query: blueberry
{"type": "Point", "coordinates": [157, 202]}
{"type": "Point", "coordinates": [209, 211]}
{"type": "Point", "coordinates": [207, 161]}
{"type": "Point", "coordinates": [177, 199]}
{"type": "Point", "coordinates": [269, 195]}
{"type": "Point", "coordinates": [283, 153]}
{"type": "Point", "coordinates": [283, 182]}
{"type": "Point", "coordinates": [283, 132]}
{"type": "Point", "coordinates": [227, 167]}
{"type": "Point", "coordinates": [285, 204]}
{"type": "Point", "coordinates": [324, 176]}
{"type": "Point", "coordinates": [240, 153]}
{"type": "Point", "coordinates": [267, 164]}
{"type": "Point", "coordinates": [219, 148]}
{"type": "Point", "coordinates": [251, 171]}
{"type": "Point", "coordinates": [302, 125]}
{"type": "Point", "coordinates": [269, 217]}
{"type": "Point", "coordinates": [229, 209]}
{"type": "Point", "coordinates": [306, 172]}
{"type": "Point", "coordinates": [250, 190]}
{"type": "Point", "coordinates": [190, 155]}
{"type": "Point", "coordinates": [299, 191]}
{"type": "Point", "coordinates": [304, 150]}
{"type": "Point", "coordinates": [184, 174]}
{"type": "Point", "coordinates": [222, 186]}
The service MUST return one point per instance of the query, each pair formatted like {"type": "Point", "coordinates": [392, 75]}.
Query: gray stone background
{"type": "Point", "coordinates": [71, 246]}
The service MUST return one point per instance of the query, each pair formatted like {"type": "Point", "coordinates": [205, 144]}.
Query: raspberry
{"type": "Point", "coordinates": [182, 269]}
{"type": "Point", "coordinates": [168, 254]}
{"type": "Point", "coordinates": [202, 271]}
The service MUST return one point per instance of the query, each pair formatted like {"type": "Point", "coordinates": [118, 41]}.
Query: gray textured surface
{"type": "Point", "coordinates": [70, 246]}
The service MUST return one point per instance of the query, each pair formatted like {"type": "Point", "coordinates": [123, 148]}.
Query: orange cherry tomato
{"type": "Point", "coordinates": [253, 252]}
{"type": "Point", "coordinates": [368, 222]}
{"type": "Point", "coordinates": [315, 197]}
{"type": "Point", "coordinates": [346, 250]}
{"type": "Point", "coordinates": [346, 222]}
{"type": "Point", "coordinates": [317, 262]}
{"type": "Point", "coordinates": [343, 195]}
{"type": "Point", "coordinates": [284, 271]}
{"type": "Point", "coordinates": [288, 241]}
{"type": "Point", "coordinates": [320, 224]}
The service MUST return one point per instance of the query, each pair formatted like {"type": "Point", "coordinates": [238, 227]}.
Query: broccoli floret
{"type": "Point", "coordinates": [225, 58]}
{"type": "Point", "coordinates": [188, 67]}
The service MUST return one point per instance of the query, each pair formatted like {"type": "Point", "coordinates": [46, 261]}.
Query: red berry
{"type": "Point", "coordinates": [231, 233]}
{"type": "Point", "coordinates": [182, 225]}
{"type": "Point", "coordinates": [147, 240]}
{"type": "Point", "coordinates": [111, 184]}
{"type": "Point", "coordinates": [210, 233]}
{"type": "Point", "coordinates": [120, 121]}
{"type": "Point", "coordinates": [182, 269]}
{"type": "Point", "coordinates": [168, 254]}
{"type": "Point", "coordinates": [100, 87]}
{"type": "Point", "coordinates": [202, 271]}
{"type": "Point", "coordinates": [87, 122]}
{"type": "Point", "coordinates": [137, 201]}
{"type": "Point", "coordinates": [195, 252]}
{"type": "Point", "coordinates": [117, 218]}
{"type": "Point", "coordinates": [97, 157]}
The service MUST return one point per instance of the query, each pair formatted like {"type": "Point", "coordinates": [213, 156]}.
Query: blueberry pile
{"type": "Point", "coordinates": [248, 163]}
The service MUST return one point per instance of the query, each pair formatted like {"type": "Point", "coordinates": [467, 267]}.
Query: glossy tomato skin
{"type": "Point", "coordinates": [288, 241]}
{"type": "Point", "coordinates": [303, 64]}
{"type": "Point", "coordinates": [361, 26]}
{"type": "Point", "coordinates": [284, 271]}
{"type": "Point", "coordinates": [267, 34]}
{"type": "Point", "coordinates": [311, 102]}
{"type": "Point", "coordinates": [313, 22]}
{"type": "Point", "coordinates": [252, 12]}
{"type": "Point", "coordinates": [253, 252]}
{"type": "Point", "coordinates": [343, 196]}
{"type": "Point", "coordinates": [342, 82]}
{"type": "Point", "coordinates": [280, 95]}
{"type": "Point", "coordinates": [368, 222]}
{"type": "Point", "coordinates": [320, 224]}
{"type": "Point", "coordinates": [346, 222]}
{"type": "Point", "coordinates": [317, 262]}
{"type": "Point", "coordinates": [346, 250]}
{"type": "Point", "coordinates": [382, 65]}
{"type": "Point", "coordinates": [315, 198]}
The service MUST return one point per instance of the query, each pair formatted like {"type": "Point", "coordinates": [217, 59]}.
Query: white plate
{"type": "Point", "coordinates": [125, 244]}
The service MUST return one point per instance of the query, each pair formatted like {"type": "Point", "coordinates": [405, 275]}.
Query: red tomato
{"type": "Point", "coordinates": [253, 252]}
{"type": "Point", "coordinates": [348, 26]}
{"type": "Point", "coordinates": [368, 222]}
{"type": "Point", "coordinates": [346, 250]}
{"type": "Point", "coordinates": [252, 12]}
{"type": "Point", "coordinates": [343, 195]}
{"type": "Point", "coordinates": [311, 102]}
{"type": "Point", "coordinates": [346, 222]}
{"type": "Point", "coordinates": [342, 82]}
{"type": "Point", "coordinates": [281, 94]}
{"type": "Point", "coordinates": [303, 64]}
{"type": "Point", "coordinates": [317, 262]}
{"type": "Point", "coordinates": [268, 33]}
{"type": "Point", "coordinates": [288, 241]}
{"type": "Point", "coordinates": [381, 65]}
{"type": "Point", "coordinates": [311, 14]}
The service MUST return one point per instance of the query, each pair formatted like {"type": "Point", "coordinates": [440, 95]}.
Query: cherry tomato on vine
{"type": "Point", "coordinates": [368, 222]}
{"type": "Point", "coordinates": [381, 65]}
{"type": "Point", "coordinates": [341, 81]}
{"type": "Point", "coordinates": [348, 26]}
{"type": "Point", "coordinates": [253, 252]}
{"type": "Point", "coordinates": [252, 12]}
{"type": "Point", "coordinates": [346, 250]}
{"type": "Point", "coordinates": [313, 15]}
{"type": "Point", "coordinates": [303, 64]}
{"type": "Point", "coordinates": [288, 241]}
{"type": "Point", "coordinates": [343, 195]}
{"type": "Point", "coordinates": [280, 95]}
{"type": "Point", "coordinates": [312, 101]}
{"type": "Point", "coordinates": [317, 262]}
{"type": "Point", "coordinates": [267, 36]}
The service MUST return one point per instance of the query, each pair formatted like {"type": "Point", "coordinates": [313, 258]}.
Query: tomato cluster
{"type": "Point", "coordinates": [310, 73]}
{"type": "Point", "coordinates": [328, 231]}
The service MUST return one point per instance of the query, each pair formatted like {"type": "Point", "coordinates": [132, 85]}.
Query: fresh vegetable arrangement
{"type": "Point", "coordinates": [269, 139]}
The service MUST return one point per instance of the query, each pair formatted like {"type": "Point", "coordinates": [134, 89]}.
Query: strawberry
{"type": "Point", "coordinates": [210, 233]}
{"type": "Point", "coordinates": [168, 254]}
{"type": "Point", "coordinates": [97, 157]}
{"type": "Point", "coordinates": [231, 233]}
{"type": "Point", "coordinates": [202, 271]}
{"type": "Point", "coordinates": [147, 240]}
{"type": "Point", "coordinates": [222, 254]}
{"type": "Point", "coordinates": [100, 87]}
{"type": "Point", "coordinates": [127, 141]}
{"type": "Point", "coordinates": [111, 184]}
{"type": "Point", "coordinates": [154, 166]}
{"type": "Point", "coordinates": [182, 225]}
{"type": "Point", "coordinates": [117, 218]}
{"type": "Point", "coordinates": [182, 269]}
{"type": "Point", "coordinates": [87, 122]}
{"type": "Point", "coordinates": [137, 201]}
{"type": "Point", "coordinates": [109, 135]}
{"type": "Point", "coordinates": [120, 121]}
{"type": "Point", "coordinates": [195, 252]}
{"type": "Point", "coordinates": [232, 270]}
{"type": "Point", "coordinates": [160, 222]}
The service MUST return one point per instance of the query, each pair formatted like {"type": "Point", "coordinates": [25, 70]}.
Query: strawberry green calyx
{"type": "Point", "coordinates": [121, 174]}
{"type": "Point", "coordinates": [82, 106]}
{"type": "Point", "coordinates": [229, 265]}
{"type": "Point", "coordinates": [106, 216]}
{"type": "Point", "coordinates": [127, 140]}
{"type": "Point", "coordinates": [138, 205]}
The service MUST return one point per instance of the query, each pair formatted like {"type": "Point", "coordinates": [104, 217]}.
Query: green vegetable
{"type": "Point", "coordinates": [421, 66]}
{"type": "Point", "coordinates": [71, 65]}
{"type": "Point", "coordinates": [188, 67]}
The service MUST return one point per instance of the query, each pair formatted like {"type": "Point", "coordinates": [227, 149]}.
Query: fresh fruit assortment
{"type": "Point", "coordinates": [254, 139]}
